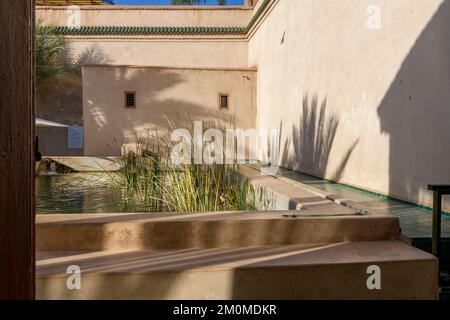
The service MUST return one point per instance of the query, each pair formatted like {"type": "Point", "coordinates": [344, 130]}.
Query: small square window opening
{"type": "Point", "coordinates": [224, 101]}
{"type": "Point", "coordinates": [130, 99]}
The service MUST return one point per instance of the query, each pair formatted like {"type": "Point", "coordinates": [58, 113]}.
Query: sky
{"type": "Point", "coordinates": [166, 2]}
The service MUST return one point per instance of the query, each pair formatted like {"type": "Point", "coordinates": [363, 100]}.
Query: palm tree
{"type": "Point", "coordinates": [49, 49]}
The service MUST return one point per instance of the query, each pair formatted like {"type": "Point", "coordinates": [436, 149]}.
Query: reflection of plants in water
{"type": "Point", "coordinates": [148, 182]}
{"type": "Point", "coordinates": [76, 193]}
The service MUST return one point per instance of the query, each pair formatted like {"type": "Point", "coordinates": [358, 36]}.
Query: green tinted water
{"type": "Point", "coordinates": [415, 221]}
{"type": "Point", "coordinates": [76, 193]}
{"type": "Point", "coordinates": [89, 193]}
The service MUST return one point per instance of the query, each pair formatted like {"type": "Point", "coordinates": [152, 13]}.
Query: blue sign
{"type": "Point", "coordinates": [75, 137]}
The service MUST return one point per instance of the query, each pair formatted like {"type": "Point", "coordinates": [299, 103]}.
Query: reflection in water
{"type": "Point", "coordinates": [76, 193]}
{"type": "Point", "coordinates": [90, 193]}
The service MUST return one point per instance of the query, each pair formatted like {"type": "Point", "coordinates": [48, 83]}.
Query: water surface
{"type": "Point", "coordinates": [77, 193]}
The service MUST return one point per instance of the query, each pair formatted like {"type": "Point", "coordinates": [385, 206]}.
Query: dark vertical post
{"type": "Point", "coordinates": [437, 212]}
{"type": "Point", "coordinates": [17, 165]}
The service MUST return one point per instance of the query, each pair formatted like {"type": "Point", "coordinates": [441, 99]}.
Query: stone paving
{"type": "Point", "coordinates": [416, 222]}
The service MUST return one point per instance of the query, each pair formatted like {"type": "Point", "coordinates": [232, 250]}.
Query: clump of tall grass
{"type": "Point", "coordinates": [150, 182]}
{"type": "Point", "coordinates": [204, 188]}
{"type": "Point", "coordinates": [139, 180]}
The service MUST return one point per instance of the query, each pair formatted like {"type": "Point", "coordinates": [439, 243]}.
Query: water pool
{"type": "Point", "coordinates": [76, 193]}
{"type": "Point", "coordinates": [89, 193]}
{"type": "Point", "coordinates": [415, 221]}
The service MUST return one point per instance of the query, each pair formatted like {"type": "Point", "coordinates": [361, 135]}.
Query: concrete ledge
{"type": "Point", "coordinates": [290, 195]}
{"type": "Point", "coordinates": [89, 164]}
{"type": "Point", "coordinates": [337, 271]}
{"type": "Point", "coordinates": [218, 230]}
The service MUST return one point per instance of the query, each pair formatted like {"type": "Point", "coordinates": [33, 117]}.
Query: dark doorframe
{"type": "Point", "coordinates": [17, 166]}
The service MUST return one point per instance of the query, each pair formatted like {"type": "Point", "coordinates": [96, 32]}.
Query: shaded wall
{"type": "Point", "coordinates": [59, 101]}
{"type": "Point", "coordinates": [53, 142]}
{"type": "Point", "coordinates": [368, 107]}
{"type": "Point", "coordinates": [181, 95]}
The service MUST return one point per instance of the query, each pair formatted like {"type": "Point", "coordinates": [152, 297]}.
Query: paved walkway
{"type": "Point", "coordinates": [289, 195]}
{"type": "Point", "coordinates": [416, 222]}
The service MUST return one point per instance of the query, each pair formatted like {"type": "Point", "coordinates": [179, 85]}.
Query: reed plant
{"type": "Point", "coordinates": [149, 182]}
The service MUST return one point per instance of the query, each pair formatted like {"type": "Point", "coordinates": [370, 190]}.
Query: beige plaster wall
{"type": "Point", "coordinates": [198, 53]}
{"type": "Point", "coordinates": [226, 16]}
{"type": "Point", "coordinates": [62, 102]}
{"type": "Point", "coordinates": [384, 93]}
{"type": "Point", "coordinates": [161, 94]}
{"type": "Point", "coordinates": [184, 51]}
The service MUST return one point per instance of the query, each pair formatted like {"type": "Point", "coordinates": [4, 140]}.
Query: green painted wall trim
{"type": "Point", "coordinates": [128, 30]}
{"type": "Point", "coordinates": [257, 15]}
{"type": "Point", "coordinates": [133, 30]}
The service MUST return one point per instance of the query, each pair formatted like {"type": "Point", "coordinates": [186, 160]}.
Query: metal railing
{"type": "Point", "coordinates": [438, 192]}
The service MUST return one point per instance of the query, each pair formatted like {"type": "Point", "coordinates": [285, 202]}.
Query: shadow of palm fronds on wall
{"type": "Point", "coordinates": [307, 149]}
